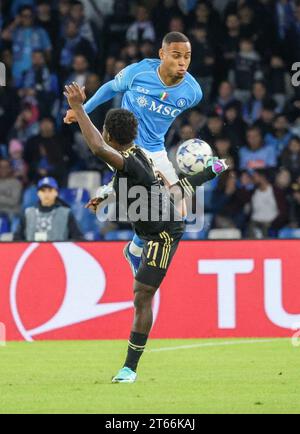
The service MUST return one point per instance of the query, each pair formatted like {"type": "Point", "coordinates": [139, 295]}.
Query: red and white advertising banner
{"type": "Point", "coordinates": [213, 289]}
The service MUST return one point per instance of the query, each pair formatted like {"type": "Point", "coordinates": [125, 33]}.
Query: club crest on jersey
{"type": "Point", "coordinates": [182, 102]}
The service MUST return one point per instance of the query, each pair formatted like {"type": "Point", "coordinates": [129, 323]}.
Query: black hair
{"type": "Point", "coordinates": [25, 8]}
{"type": "Point", "coordinates": [175, 37]}
{"type": "Point", "coordinates": [255, 128]}
{"type": "Point", "coordinates": [263, 172]}
{"type": "Point", "coordinates": [269, 104]}
{"type": "Point", "coordinates": [122, 126]}
{"type": "Point", "coordinates": [222, 139]}
{"type": "Point", "coordinates": [77, 3]}
{"type": "Point", "coordinates": [296, 138]}
{"type": "Point", "coordinates": [280, 115]}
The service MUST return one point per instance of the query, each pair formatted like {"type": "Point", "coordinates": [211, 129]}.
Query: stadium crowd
{"type": "Point", "coordinates": [243, 53]}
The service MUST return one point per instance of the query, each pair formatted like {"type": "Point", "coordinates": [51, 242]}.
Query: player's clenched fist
{"type": "Point", "coordinates": [93, 204]}
{"type": "Point", "coordinates": [70, 117]}
{"type": "Point", "coordinates": [75, 95]}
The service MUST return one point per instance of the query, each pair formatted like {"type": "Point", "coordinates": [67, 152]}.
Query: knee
{"type": "Point", "coordinates": [143, 296]}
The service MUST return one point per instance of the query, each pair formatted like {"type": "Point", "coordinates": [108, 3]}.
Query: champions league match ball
{"type": "Point", "coordinates": [193, 155]}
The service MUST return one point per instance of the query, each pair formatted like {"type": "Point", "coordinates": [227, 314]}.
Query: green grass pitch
{"type": "Point", "coordinates": [74, 377]}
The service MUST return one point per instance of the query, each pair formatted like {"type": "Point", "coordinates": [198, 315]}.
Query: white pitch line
{"type": "Point", "coordinates": [215, 344]}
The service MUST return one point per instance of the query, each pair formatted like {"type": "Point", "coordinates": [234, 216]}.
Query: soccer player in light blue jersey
{"type": "Point", "coordinates": [157, 91]}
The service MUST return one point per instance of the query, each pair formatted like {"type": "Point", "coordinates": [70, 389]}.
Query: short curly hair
{"type": "Point", "coordinates": [122, 126]}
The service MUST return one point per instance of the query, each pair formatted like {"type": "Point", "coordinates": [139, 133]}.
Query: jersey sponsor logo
{"type": "Point", "coordinates": [164, 110]}
{"type": "Point", "coordinates": [182, 102]}
{"type": "Point", "coordinates": [161, 109]}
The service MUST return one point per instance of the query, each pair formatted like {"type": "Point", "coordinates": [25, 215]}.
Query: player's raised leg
{"type": "Point", "coordinates": [133, 253]}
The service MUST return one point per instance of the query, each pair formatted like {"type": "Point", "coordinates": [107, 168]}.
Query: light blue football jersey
{"type": "Point", "coordinates": [155, 105]}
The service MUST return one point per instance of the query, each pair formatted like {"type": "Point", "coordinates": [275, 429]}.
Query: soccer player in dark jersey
{"type": "Point", "coordinates": [161, 236]}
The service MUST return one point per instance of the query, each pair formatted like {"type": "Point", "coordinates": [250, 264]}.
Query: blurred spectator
{"type": "Point", "coordinates": [283, 181]}
{"type": "Point", "coordinates": [162, 13]}
{"type": "Point", "coordinates": [10, 191]}
{"type": "Point", "coordinates": [40, 83]}
{"type": "Point", "coordinates": [246, 70]}
{"type": "Point", "coordinates": [204, 15]}
{"type": "Point", "coordinates": [130, 53]}
{"type": "Point", "coordinates": [92, 84]}
{"type": "Point", "coordinates": [52, 220]}
{"type": "Point", "coordinates": [64, 9]}
{"type": "Point", "coordinates": [225, 97]}
{"type": "Point", "coordinates": [295, 205]}
{"type": "Point", "coordinates": [176, 25]}
{"type": "Point", "coordinates": [292, 45]}
{"type": "Point", "coordinates": [197, 120]}
{"type": "Point", "coordinates": [256, 155]}
{"type": "Point", "coordinates": [280, 136]}
{"type": "Point", "coordinates": [80, 70]}
{"type": "Point", "coordinates": [290, 158]}
{"type": "Point", "coordinates": [280, 81]}
{"type": "Point", "coordinates": [26, 124]}
{"type": "Point", "coordinates": [223, 148]}
{"type": "Point", "coordinates": [253, 108]}
{"type": "Point", "coordinates": [48, 20]}
{"type": "Point", "coordinates": [17, 162]}
{"type": "Point", "coordinates": [231, 41]}
{"type": "Point", "coordinates": [213, 129]}
{"type": "Point", "coordinates": [142, 29]}
{"type": "Point", "coordinates": [74, 44]}
{"type": "Point", "coordinates": [9, 110]}
{"type": "Point", "coordinates": [267, 116]}
{"type": "Point", "coordinates": [26, 38]}
{"type": "Point", "coordinates": [230, 199]}
{"type": "Point", "coordinates": [202, 66]}
{"type": "Point", "coordinates": [16, 5]}
{"type": "Point", "coordinates": [235, 127]}
{"type": "Point", "coordinates": [77, 14]}
{"type": "Point", "coordinates": [147, 50]}
{"type": "Point", "coordinates": [47, 153]}
{"type": "Point", "coordinates": [249, 26]}
{"type": "Point", "coordinates": [269, 209]}
{"type": "Point", "coordinates": [116, 26]}
{"type": "Point", "coordinates": [284, 17]}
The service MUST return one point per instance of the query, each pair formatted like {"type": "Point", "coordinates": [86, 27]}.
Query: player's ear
{"type": "Point", "coordinates": [161, 54]}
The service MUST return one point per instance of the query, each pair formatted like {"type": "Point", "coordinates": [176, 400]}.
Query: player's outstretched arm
{"type": "Point", "coordinates": [75, 95]}
{"type": "Point", "coordinates": [104, 94]}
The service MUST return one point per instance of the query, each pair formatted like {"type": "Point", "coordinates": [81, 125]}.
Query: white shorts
{"type": "Point", "coordinates": [163, 164]}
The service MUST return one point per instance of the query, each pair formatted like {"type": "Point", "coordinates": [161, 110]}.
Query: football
{"type": "Point", "coordinates": [193, 155]}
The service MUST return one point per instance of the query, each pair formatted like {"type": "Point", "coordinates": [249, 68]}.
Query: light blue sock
{"type": "Point", "coordinates": [136, 246]}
